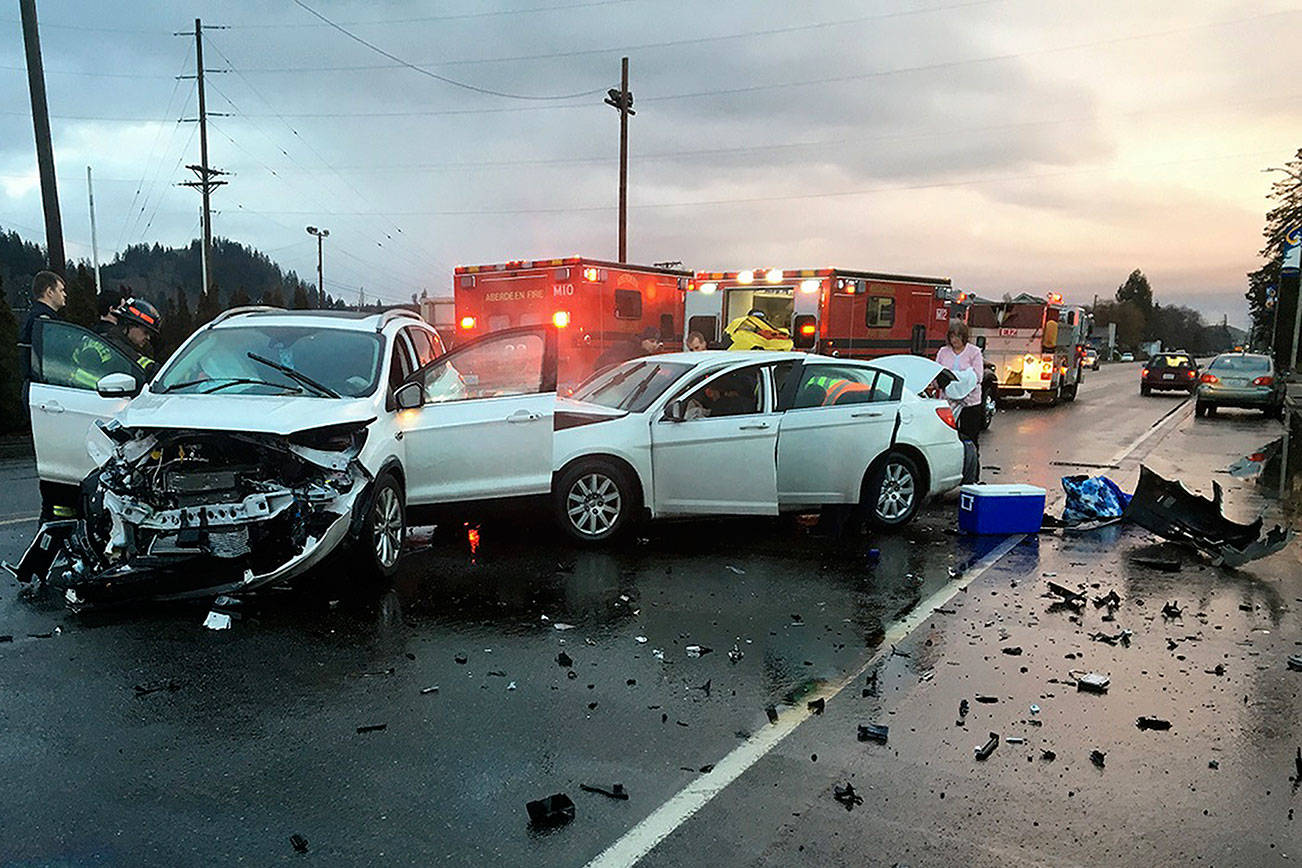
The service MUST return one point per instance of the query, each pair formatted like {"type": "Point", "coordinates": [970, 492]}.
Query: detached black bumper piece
{"type": "Point", "coordinates": [1171, 511]}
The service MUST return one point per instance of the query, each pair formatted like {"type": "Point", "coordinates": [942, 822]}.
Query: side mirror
{"type": "Point", "coordinates": [675, 411]}
{"type": "Point", "coordinates": [981, 343]}
{"type": "Point", "coordinates": [409, 396]}
{"type": "Point", "coordinates": [117, 386]}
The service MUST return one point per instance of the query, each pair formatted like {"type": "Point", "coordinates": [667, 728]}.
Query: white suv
{"type": "Point", "coordinates": [270, 439]}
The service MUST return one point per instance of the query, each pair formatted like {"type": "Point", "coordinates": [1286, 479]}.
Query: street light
{"type": "Point", "coordinates": [320, 234]}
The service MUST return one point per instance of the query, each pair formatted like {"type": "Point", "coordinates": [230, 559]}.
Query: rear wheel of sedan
{"type": "Point", "coordinates": [593, 500]}
{"type": "Point", "coordinates": [1145, 390]}
{"type": "Point", "coordinates": [380, 542]}
{"type": "Point", "coordinates": [895, 491]}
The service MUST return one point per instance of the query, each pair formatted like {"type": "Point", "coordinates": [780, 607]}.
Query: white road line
{"type": "Point", "coordinates": [642, 838]}
{"type": "Point", "coordinates": [1180, 411]}
{"type": "Point", "coordinates": [22, 520]}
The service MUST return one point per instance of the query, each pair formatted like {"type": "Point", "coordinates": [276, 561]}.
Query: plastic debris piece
{"type": "Point", "coordinates": [873, 732]}
{"type": "Point", "coordinates": [772, 712]}
{"type": "Point", "coordinates": [426, 691]}
{"type": "Point", "coordinates": [706, 769]}
{"type": "Point", "coordinates": [511, 686]}
{"type": "Point", "coordinates": [658, 653]}
{"type": "Point", "coordinates": [1048, 756]}
{"type": "Point", "coordinates": [963, 708]}
{"type": "Point", "coordinates": [298, 842]}
{"type": "Point", "coordinates": [1098, 757]}
{"type": "Point", "coordinates": [1012, 650]}
{"type": "Point", "coordinates": [372, 727]}
{"type": "Point", "coordinates": [1093, 682]}
{"type": "Point", "coordinates": [1171, 610]}
{"type": "Point", "coordinates": [698, 650]}
{"type": "Point", "coordinates": [1213, 764]}
{"type": "Point", "coordinates": [847, 796]}
{"type": "Point", "coordinates": [987, 699]}
{"type": "Point", "coordinates": [217, 621]}
{"type": "Point", "coordinates": [564, 660]}
{"type": "Point", "coordinates": [736, 570]}
{"type": "Point", "coordinates": [1075, 599]}
{"type": "Point", "coordinates": [1035, 709]}
{"type": "Point", "coordinates": [1294, 662]}
{"type": "Point", "coordinates": [615, 792]}
{"type": "Point", "coordinates": [988, 748]}
{"type": "Point", "coordinates": [1015, 739]}
{"type": "Point", "coordinates": [1152, 723]}
{"type": "Point", "coordinates": [735, 654]}
{"type": "Point", "coordinates": [461, 659]}
{"type": "Point", "coordinates": [562, 626]}
{"type": "Point", "coordinates": [1111, 600]}
{"type": "Point", "coordinates": [817, 705]}
{"type": "Point", "coordinates": [641, 640]}
{"type": "Point", "coordinates": [554, 810]}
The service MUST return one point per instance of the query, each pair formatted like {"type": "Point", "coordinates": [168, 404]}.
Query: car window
{"type": "Point", "coordinates": [736, 393]}
{"type": "Point", "coordinates": [421, 343]}
{"type": "Point", "coordinates": [69, 355]}
{"type": "Point", "coordinates": [1175, 361]}
{"type": "Point", "coordinates": [838, 385]}
{"type": "Point", "coordinates": [632, 386]}
{"type": "Point", "coordinates": [1240, 363]}
{"type": "Point", "coordinates": [492, 367]}
{"type": "Point", "coordinates": [400, 366]}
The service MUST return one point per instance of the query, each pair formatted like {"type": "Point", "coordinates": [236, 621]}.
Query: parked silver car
{"type": "Point", "coordinates": [1240, 380]}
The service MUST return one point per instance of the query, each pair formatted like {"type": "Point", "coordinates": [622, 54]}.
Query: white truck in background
{"type": "Point", "coordinates": [1036, 345]}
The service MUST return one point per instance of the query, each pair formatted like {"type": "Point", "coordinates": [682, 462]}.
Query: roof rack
{"type": "Point", "coordinates": [393, 313]}
{"type": "Point", "coordinates": [241, 311]}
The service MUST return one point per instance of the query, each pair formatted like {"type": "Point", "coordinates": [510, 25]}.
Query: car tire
{"type": "Point", "coordinates": [593, 501]}
{"type": "Point", "coordinates": [1069, 392]}
{"type": "Point", "coordinates": [378, 547]}
{"type": "Point", "coordinates": [988, 407]}
{"type": "Point", "coordinates": [895, 491]}
{"type": "Point", "coordinates": [1145, 390]}
{"type": "Point", "coordinates": [1209, 410]}
{"type": "Point", "coordinates": [1200, 409]}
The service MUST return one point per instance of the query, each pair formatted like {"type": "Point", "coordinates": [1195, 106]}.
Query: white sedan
{"type": "Point", "coordinates": [758, 433]}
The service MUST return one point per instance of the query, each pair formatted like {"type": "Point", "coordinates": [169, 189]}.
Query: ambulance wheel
{"type": "Point", "coordinates": [1069, 392]}
{"type": "Point", "coordinates": [894, 492]}
{"type": "Point", "coordinates": [593, 501]}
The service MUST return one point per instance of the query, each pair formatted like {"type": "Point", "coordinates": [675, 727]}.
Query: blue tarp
{"type": "Point", "coordinates": [1092, 498]}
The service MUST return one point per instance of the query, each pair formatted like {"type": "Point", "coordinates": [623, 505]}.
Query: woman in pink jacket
{"type": "Point", "coordinates": [962, 357]}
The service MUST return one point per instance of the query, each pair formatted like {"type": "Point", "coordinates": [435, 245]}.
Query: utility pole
{"type": "Point", "coordinates": [321, 234]}
{"type": "Point", "coordinates": [622, 100]}
{"type": "Point", "coordinates": [44, 146]}
{"type": "Point", "coordinates": [206, 182]}
{"type": "Point", "coordinates": [94, 241]}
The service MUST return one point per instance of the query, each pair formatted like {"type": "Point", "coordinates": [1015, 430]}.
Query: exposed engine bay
{"type": "Point", "coordinates": [174, 514]}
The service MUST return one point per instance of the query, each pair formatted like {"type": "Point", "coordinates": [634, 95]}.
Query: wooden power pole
{"type": "Point", "coordinates": [44, 147]}
{"type": "Point", "coordinates": [622, 100]}
{"type": "Point", "coordinates": [207, 178]}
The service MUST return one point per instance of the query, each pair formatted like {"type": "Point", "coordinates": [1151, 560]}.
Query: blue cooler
{"type": "Point", "coordinates": [1000, 509]}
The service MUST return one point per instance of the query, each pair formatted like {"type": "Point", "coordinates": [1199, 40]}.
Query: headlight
{"type": "Point", "coordinates": [333, 438]}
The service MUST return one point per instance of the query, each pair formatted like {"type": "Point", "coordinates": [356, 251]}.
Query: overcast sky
{"type": "Point", "coordinates": [1009, 144]}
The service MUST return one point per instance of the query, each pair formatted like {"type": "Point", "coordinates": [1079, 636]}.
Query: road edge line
{"type": "Point", "coordinates": [640, 840]}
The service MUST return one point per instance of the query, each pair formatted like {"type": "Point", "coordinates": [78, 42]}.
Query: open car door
{"type": "Point", "coordinates": [67, 362]}
{"type": "Point", "coordinates": [483, 427]}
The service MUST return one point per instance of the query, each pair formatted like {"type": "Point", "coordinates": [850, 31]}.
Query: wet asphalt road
{"type": "Point", "coordinates": [259, 739]}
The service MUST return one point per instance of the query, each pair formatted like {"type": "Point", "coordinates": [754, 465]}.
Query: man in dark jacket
{"type": "Point", "coordinates": [49, 295]}
{"type": "Point", "coordinates": [106, 305]}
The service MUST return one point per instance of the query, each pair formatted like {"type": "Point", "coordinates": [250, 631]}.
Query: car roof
{"type": "Point", "coordinates": [347, 320]}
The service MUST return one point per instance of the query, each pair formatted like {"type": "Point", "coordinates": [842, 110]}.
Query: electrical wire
{"type": "Point", "coordinates": [434, 75]}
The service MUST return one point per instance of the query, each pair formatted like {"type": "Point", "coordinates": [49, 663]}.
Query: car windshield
{"type": "Point", "coordinates": [632, 386]}
{"type": "Point", "coordinates": [1240, 363]}
{"type": "Point", "coordinates": [344, 361]}
{"type": "Point", "coordinates": [1175, 361]}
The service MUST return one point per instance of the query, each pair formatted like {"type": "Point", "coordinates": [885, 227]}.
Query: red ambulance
{"type": "Point", "coordinates": [603, 310]}
{"type": "Point", "coordinates": [834, 311]}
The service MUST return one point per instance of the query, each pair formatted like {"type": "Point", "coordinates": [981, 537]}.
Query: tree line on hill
{"type": "Point", "coordinates": [1140, 320]}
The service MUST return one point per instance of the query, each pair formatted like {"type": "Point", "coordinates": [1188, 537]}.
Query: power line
{"type": "Point", "coordinates": [472, 87]}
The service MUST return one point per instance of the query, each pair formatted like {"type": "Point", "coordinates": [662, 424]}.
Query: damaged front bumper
{"type": "Point", "coordinates": [176, 514]}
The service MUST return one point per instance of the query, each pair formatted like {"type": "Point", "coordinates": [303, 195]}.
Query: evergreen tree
{"type": "Point", "coordinates": [1137, 291]}
{"type": "Point", "coordinates": [1262, 283]}
{"type": "Point", "coordinates": [273, 297]}
{"type": "Point", "coordinates": [240, 298]}
{"type": "Point", "coordinates": [210, 305]}
{"type": "Point", "coordinates": [81, 297]}
{"type": "Point", "coordinates": [300, 301]}
{"type": "Point", "coordinates": [184, 319]}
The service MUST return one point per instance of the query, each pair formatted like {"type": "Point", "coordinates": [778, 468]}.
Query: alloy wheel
{"type": "Point", "coordinates": [593, 504]}
{"type": "Point", "coordinates": [387, 527]}
{"type": "Point", "coordinates": [897, 492]}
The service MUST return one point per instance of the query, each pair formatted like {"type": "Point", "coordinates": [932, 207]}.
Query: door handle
{"type": "Point", "coordinates": [869, 414]}
{"type": "Point", "coordinates": [524, 416]}
{"type": "Point", "coordinates": [758, 426]}
{"type": "Point", "coordinates": [52, 407]}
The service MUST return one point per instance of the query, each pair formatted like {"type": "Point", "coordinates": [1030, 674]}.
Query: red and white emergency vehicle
{"type": "Point", "coordinates": [834, 311]}
{"type": "Point", "coordinates": [602, 309]}
{"type": "Point", "coordinates": [1037, 345]}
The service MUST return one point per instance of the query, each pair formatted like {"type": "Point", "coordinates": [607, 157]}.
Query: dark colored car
{"type": "Point", "coordinates": [1242, 380]}
{"type": "Point", "coordinates": [1169, 371]}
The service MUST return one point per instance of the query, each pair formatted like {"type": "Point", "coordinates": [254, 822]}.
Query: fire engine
{"type": "Point", "coordinates": [602, 309]}
{"type": "Point", "coordinates": [1037, 345]}
{"type": "Point", "coordinates": [835, 311]}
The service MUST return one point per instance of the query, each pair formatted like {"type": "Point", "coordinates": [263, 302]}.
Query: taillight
{"type": "Point", "coordinates": [1210, 379]}
{"type": "Point", "coordinates": [806, 329]}
{"type": "Point", "coordinates": [947, 416]}
{"type": "Point", "coordinates": [467, 323]}
{"type": "Point", "coordinates": [1189, 374]}
{"type": "Point", "coordinates": [1264, 381]}
{"type": "Point", "coordinates": [561, 319]}
{"type": "Point", "coordinates": [1143, 372]}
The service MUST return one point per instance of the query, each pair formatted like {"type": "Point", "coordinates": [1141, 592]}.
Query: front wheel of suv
{"type": "Point", "coordinates": [379, 544]}
{"type": "Point", "coordinates": [593, 501]}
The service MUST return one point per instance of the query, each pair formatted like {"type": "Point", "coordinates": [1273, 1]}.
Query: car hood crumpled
{"type": "Point", "coordinates": [918, 372]}
{"type": "Point", "coordinates": [259, 414]}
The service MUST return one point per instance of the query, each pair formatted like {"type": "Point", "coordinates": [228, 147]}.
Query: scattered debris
{"type": "Point", "coordinates": [1213, 764]}
{"type": "Point", "coordinates": [461, 659]}
{"type": "Point", "coordinates": [772, 712]}
{"type": "Point", "coordinates": [1171, 610]}
{"type": "Point", "coordinates": [426, 691]}
{"type": "Point", "coordinates": [1035, 709]}
{"type": "Point", "coordinates": [497, 673]}
{"type": "Point", "coordinates": [658, 654]}
{"type": "Point", "coordinates": [378, 673]}
{"type": "Point", "coordinates": [1251, 465]}
{"type": "Point", "coordinates": [1171, 511]}
{"type": "Point", "coordinates": [554, 810]}
{"type": "Point", "coordinates": [735, 654]}
{"type": "Point", "coordinates": [987, 699]}
{"type": "Point", "coordinates": [873, 732]}
{"type": "Point", "coordinates": [1075, 599]}
{"type": "Point", "coordinates": [1122, 638]}
{"type": "Point", "coordinates": [1015, 739]}
{"type": "Point", "coordinates": [564, 660]}
{"type": "Point", "coordinates": [698, 650]}
{"type": "Point", "coordinates": [1166, 565]}
{"type": "Point", "coordinates": [1098, 757]}
{"type": "Point", "coordinates": [1012, 650]}
{"type": "Point", "coordinates": [641, 640]}
{"type": "Point", "coordinates": [1093, 682]}
{"type": "Point", "coordinates": [372, 727]}
{"type": "Point", "coordinates": [817, 705]}
{"type": "Point", "coordinates": [1110, 599]}
{"type": "Point", "coordinates": [988, 748]}
{"type": "Point", "coordinates": [1048, 756]}
{"type": "Point", "coordinates": [217, 621]}
{"type": "Point", "coordinates": [169, 685]}
{"type": "Point", "coordinates": [1295, 662]}
{"type": "Point", "coordinates": [616, 791]}
{"type": "Point", "coordinates": [511, 686]}
{"type": "Point", "coordinates": [871, 688]}
{"type": "Point", "coordinates": [562, 626]}
{"type": "Point", "coordinates": [706, 769]}
{"type": "Point", "coordinates": [1152, 723]}
{"type": "Point", "coordinates": [298, 842]}
{"type": "Point", "coordinates": [847, 796]}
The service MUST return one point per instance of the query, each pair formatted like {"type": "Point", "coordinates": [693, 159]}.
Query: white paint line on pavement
{"type": "Point", "coordinates": [22, 520]}
{"type": "Point", "coordinates": [1179, 411]}
{"type": "Point", "coordinates": [642, 838]}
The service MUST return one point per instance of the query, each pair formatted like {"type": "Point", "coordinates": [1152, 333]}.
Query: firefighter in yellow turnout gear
{"type": "Point", "coordinates": [137, 322]}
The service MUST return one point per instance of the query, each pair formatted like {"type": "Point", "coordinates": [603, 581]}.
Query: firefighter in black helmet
{"type": "Point", "coordinates": [139, 322]}
{"type": "Point", "coordinates": [136, 321]}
